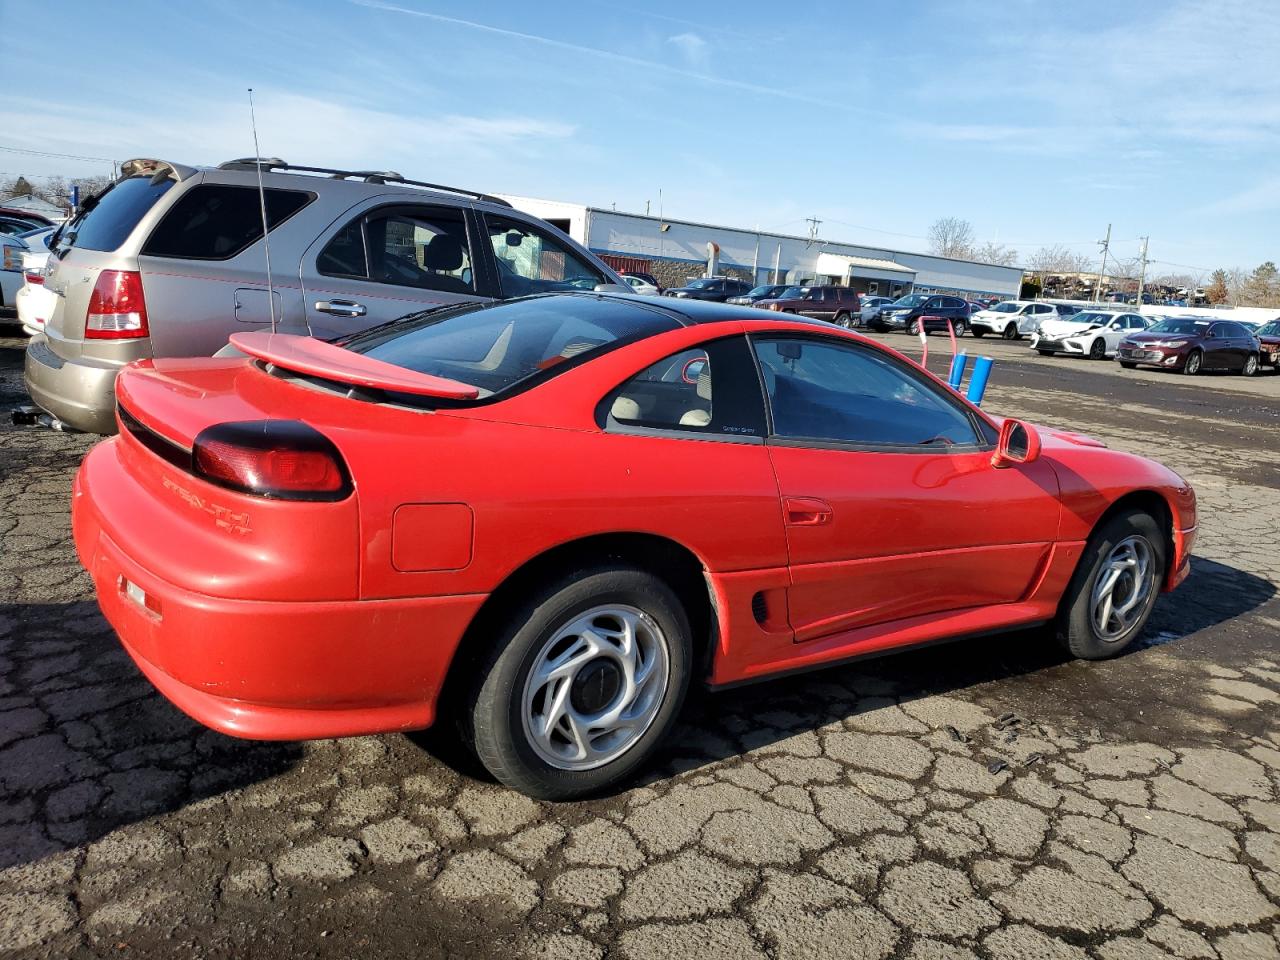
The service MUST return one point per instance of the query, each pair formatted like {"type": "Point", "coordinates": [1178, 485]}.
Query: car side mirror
{"type": "Point", "coordinates": [1018, 443]}
{"type": "Point", "coordinates": [612, 288]}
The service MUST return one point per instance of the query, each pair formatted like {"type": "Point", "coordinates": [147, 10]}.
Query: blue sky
{"type": "Point", "coordinates": [1037, 122]}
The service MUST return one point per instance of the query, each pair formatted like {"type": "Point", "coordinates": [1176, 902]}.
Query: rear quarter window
{"type": "Point", "coordinates": [108, 223]}
{"type": "Point", "coordinates": [217, 221]}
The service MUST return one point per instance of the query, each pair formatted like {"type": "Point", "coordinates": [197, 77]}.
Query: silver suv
{"type": "Point", "coordinates": [169, 260]}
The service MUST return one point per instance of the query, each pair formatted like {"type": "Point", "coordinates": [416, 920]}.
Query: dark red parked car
{"type": "Point", "coordinates": [1269, 337]}
{"type": "Point", "coordinates": [1192, 344]}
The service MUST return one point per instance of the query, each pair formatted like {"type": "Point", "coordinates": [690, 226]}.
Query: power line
{"type": "Point", "coordinates": [60, 156]}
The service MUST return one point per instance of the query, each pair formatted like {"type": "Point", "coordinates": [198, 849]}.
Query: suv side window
{"type": "Point", "coordinates": [826, 391]}
{"type": "Point", "coordinates": [530, 261]}
{"type": "Point", "coordinates": [427, 249]}
{"type": "Point", "coordinates": [712, 388]}
{"type": "Point", "coordinates": [214, 221]}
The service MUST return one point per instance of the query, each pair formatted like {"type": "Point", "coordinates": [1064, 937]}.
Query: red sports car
{"type": "Point", "coordinates": [545, 518]}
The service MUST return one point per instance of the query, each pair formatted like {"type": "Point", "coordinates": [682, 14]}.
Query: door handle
{"type": "Point", "coordinates": [807, 512]}
{"type": "Point", "coordinates": [342, 308]}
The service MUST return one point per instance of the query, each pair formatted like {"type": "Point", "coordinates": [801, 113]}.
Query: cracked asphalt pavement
{"type": "Point", "coordinates": [983, 799]}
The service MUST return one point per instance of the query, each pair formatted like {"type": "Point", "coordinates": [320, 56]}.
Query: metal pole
{"type": "Point", "coordinates": [755, 260]}
{"type": "Point", "coordinates": [777, 263]}
{"type": "Point", "coordinates": [1142, 273]}
{"type": "Point", "coordinates": [1102, 271]}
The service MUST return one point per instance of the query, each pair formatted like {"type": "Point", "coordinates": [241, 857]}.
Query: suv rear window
{"type": "Point", "coordinates": [109, 221]}
{"type": "Point", "coordinates": [217, 221]}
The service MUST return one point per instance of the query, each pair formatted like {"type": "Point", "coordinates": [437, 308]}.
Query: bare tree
{"type": "Point", "coordinates": [1236, 280]}
{"type": "Point", "coordinates": [951, 237]}
{"type": "Point", "coordinates": [1058, 259]}
{"type": "Point", "coordinates": [996, 253]}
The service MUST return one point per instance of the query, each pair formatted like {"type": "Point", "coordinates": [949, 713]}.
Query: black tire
{"type": "Point", "coordinates": [959, 326]}
{"type": "Point", "coordinates": [1128, 365]}
{"type": "Point", "coordinates": [1098, 349]}
{"type": "Point", "coordinates": [842, 320]}
{"type": "Point", "coordinates": [1074, 626]}
{"type": "Point", "coordinates": [492, 718]}
{"type": "Point", "coordinates": [1251, 366]}
{"type": "Point", "coordinates": [978, 333]}
{"type": "Point", "coordinates": [1011, 332]}
{"type": "Point", "coordinates": [1193, 364]}
{"type": "Point", "coordinates": [913, 328]}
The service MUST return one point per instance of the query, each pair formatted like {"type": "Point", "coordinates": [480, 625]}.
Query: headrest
{"type": "Point", "coordinates": [444, 252]}
{"type": "Point", "coordinates": [624, 408]}
{"type": "Point", "coordinates": [704, 384]}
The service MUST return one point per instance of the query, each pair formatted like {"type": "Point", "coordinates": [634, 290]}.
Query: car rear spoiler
{"type": "Point", "coordinates": [143, 167]}
{"type": "Point", "coordinates": [319, 359]}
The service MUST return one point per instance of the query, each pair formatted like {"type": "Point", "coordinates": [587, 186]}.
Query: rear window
{"type": "Point", "coordinates": [217, 221]}
{"type": "Point", "coordinates": [111, 218]}
{"type": "Point", "coordinates": [504, 346]}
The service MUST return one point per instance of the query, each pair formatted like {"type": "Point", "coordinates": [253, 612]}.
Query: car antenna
{"type": "Point", "coordinates": [262, 203]}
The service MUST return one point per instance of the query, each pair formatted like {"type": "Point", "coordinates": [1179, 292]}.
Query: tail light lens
{"type": "Point", "coordinates": [117, 310]}
{"type": "Point", "coordinates": [33, 278]}
{"type": "Point", "coordinates": [282, 459]}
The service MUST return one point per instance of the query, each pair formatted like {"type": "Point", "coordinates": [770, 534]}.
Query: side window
{"type": "Point", "coordinates": [216, 222]}
{"type": "Point", "coordinates": [425, 249]}
{"type": "Point", "coordinates": [712, 388]}
{"type": "Point", "coordinates": [530, 261]}
{"type": "Point", "coordinates": [343, 256]}
{"type": "Point", "coordinates": [819, 390]}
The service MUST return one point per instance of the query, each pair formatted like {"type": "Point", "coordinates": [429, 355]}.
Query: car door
{"type": "Point", "coordinates": [1222, 352]}
{"type": "Point", "coordinates": [813, 303]}
{"type": "Point", "coordinates": [888, 492]}
{"type": "Point", "coordinates": [387, 261]}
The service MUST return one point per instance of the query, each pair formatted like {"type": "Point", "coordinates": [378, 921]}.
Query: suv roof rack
{"type": "Point", "coordinates": [368, 176]}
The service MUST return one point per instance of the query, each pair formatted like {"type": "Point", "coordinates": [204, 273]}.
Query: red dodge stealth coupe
{"type": "Point", "coordinates": [547, 517]}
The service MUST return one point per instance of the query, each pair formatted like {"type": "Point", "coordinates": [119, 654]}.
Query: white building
{"type": "Point", "coordinates": [677, 250]}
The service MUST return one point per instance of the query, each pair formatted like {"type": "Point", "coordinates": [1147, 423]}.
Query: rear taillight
{"type": "Point", "coordinates": [283, 459]}
{"type": "Point", "coordinates": [117, 310]}
{"type": "Point", "coordinates": [33, 278]}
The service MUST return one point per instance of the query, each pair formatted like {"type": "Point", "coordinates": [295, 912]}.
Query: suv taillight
{"type": "Point", "coordinates": [33, 278]}
{"type": "Point", "coordinates": [283, 459]}
{"type": "Point", "coordinates": [117, 310]}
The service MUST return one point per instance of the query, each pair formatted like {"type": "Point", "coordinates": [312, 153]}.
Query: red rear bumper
{"type": "Point", "coordinates": [275, 670]}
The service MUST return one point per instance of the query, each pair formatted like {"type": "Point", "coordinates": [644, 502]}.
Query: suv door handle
{"type": "Point", "coordinates": [807, 512]}
{"type": "Point", "coordinates": [342, 308]}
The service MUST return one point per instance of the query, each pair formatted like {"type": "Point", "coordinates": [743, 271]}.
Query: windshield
{"type": "Point", "coordinates": [497, 346]}
{"type": "Point", "coordinates": [1181, 325]}
{"type": "Point", "coordinates": [1007, 307]}
{"type": "Point", "coordinates": [700, 284]}
{"type": "Point", "coordinates": [1271, 329]}
{"type": "Point", "coordinates": [765, 291]}
{"type": "Point", "coordinates": [910, 300]}
{"type": "Point", "coordinates": [1089, 316]}
{"type": "Point", "coordinates": [793, 293]}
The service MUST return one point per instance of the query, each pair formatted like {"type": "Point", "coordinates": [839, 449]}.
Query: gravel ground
{"type": "Point", "coordinates": [985, 799]}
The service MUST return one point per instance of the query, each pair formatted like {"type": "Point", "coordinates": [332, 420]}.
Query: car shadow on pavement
{"type": "Point", "coordinates": [1023, 672]}
{"type": "Point", "coordinates": [87, 745]}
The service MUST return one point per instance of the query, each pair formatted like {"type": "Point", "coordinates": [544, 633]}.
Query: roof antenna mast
{"type": "Point", "coordinates": [262, 203]}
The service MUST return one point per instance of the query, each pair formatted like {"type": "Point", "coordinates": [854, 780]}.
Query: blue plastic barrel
{"type": "Point", "coordinates": [978, 382]}
{"type": "Point", "coordinates": [956, 376]}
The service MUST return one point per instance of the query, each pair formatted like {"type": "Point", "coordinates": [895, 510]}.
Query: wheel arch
{"type": "Point", "coordinates": [667, 559]}
{"type": "Point", "coordinates": [1151, 502]}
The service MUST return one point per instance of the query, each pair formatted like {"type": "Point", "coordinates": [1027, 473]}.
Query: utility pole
{"type": "Point", "coordinates": [1102, 271]}
{"type": "Point", "coordinates": [814, 223]}
{"type": "Point", "coordinates": [1142, 272]}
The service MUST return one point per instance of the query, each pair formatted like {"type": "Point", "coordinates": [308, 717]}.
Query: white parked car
{"type": "Point", "coordinates": [1091, 333]}
{"type": "Point", "coordinates": [640, 285]}
{"type": "Point", "coordinates": [35, 303]}
{"type": "Point", "coordinates": [1012, 319]}
{"type": "Point", "coordinates": [12, 248]}
{"type": "Point", "coordinates": [871, 307]}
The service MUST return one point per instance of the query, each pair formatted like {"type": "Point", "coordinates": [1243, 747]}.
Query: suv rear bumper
{"type": "Point", "coordinates": [80, 393]}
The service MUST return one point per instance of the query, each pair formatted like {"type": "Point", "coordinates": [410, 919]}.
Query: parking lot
{"type": "Point", "coordinates": [987, 798]}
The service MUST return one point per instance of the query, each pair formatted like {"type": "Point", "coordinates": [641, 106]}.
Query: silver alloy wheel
{"type": "Point", "coordinates": [1251, 365]}
{"type": "Point", "coordinates": [1193, 362]}
{"type": "Point", "coordinates": [595, 687]}
{"type": "Point", "coordinates": [1121, 589]}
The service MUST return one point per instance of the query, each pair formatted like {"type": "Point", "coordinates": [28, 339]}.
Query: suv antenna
{"type": "Point", "coordinates": [262, 203]}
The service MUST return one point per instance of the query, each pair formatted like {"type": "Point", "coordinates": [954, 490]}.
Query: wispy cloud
{"type": "Point", "coordinates": [622, 58]}
{"type": "Point", "coordinates": [692, 47]}
{"type": "Point", "coordinates": [1260, 198]}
